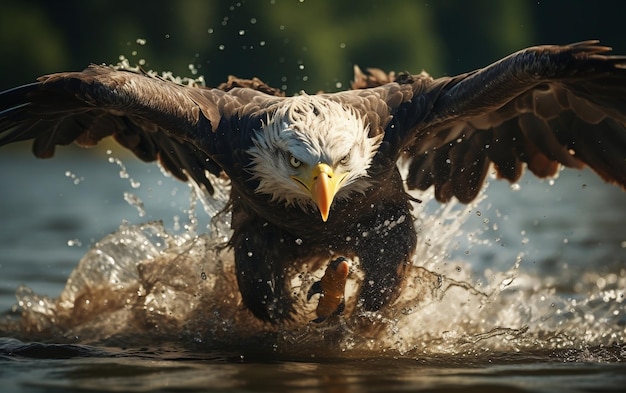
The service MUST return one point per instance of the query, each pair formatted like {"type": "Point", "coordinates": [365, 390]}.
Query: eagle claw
{"type": "Point", "coordinates": [331, 288]}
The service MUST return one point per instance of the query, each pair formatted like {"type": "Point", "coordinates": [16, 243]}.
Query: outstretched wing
{"type": "Point", "coordinates": [542, 106]}
{"type": "Point", "coordinates": [154, 118]}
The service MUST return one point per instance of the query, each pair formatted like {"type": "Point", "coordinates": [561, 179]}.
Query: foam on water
{"type": "Point", "coordinates": [144, 284]}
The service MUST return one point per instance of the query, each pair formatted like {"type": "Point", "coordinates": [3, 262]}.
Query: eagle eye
{"type": "Point", "coordinates": [345, 159]}
{"type": "Point", "coordinates": [294, 162]}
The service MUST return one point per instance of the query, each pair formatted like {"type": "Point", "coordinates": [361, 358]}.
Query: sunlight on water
{"type": "Point", "coordinates": [144, 284]}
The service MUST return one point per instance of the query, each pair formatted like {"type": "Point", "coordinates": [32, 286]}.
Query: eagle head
{"type": "Point", "coordinates": [310, 151]}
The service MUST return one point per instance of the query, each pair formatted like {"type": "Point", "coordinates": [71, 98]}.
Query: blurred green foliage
{"type": "Point", "coordinates": [296, 44]}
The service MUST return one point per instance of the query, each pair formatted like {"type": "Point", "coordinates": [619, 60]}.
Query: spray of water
{"type": "Point", "coordinates": [143, 284]}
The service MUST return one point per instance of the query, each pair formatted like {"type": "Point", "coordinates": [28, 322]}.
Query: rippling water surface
{"type": "Point", "coordinates": [112, 278]}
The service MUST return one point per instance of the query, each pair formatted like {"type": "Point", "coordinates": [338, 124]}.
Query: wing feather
{"type": "Point", "coordinates": [157, 120]}
{"type": "Point", "coordinates": [539, 108]}
{"type": "Point", "coordinates": [544, 106]}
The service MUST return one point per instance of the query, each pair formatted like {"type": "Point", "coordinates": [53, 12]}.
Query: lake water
{"type": "Point", "coordinates": [523, 291]}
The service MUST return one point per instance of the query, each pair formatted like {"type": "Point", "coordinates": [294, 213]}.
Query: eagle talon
{"type": "Point", "coordinates": [331, 288]}
{"type": "Point", "coordinates": [315, 289]}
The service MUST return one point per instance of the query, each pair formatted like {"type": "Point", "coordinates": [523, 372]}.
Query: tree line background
{"type": "Point", "coordinates": [294, 44]}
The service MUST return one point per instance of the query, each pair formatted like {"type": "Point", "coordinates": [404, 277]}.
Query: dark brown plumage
{"type": "Point", "coordinates": [291, 158]}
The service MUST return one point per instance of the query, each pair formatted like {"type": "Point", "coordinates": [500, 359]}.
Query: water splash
{"type": "Point", "coordinates": [135, 201]}
{"type": "Point", "coordinates": [123, 171]}
{"type": "Point", "coordinates": [143, 285]}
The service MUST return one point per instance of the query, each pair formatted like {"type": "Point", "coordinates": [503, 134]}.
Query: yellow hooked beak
{"type": "Point", "coordinates": [322, 183]}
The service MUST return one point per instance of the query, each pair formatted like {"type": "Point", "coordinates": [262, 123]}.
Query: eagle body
{"type": "Point", "coordinates": [268, 238]}
{"type": "Point", "coordinates": [315, 177]}
{"type": "Point", "coordinates": [372, 222]}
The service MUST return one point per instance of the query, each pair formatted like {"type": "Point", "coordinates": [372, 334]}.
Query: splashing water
{"type": "Point", "coordinates": [143, 284]}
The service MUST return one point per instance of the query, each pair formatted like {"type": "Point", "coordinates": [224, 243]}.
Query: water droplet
{"type": "Point", "coordinates": [75, 179]}
{"type": "Point", "coordinates": [203, 276]}
{"type": "Point", "coordinates": [299, 241]}
{"type": "Point", "coordinates": [74, 243]}
{"type": "Point", "coordinates": [135, 201]}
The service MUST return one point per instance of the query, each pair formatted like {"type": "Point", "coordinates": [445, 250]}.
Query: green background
{"type": "Point", "coordinates": [297, 45]}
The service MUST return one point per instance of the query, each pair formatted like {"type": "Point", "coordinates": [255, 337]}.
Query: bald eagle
{"type": "Point", "coordinates": [316, 176]}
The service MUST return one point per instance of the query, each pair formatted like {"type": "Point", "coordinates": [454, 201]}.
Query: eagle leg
{"type": "Point", "coordinates": [260, 268]}
{"type": "Point", "coordinates": [331, 288]}
{"type": "Point", "coordinates": [386, 255]}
